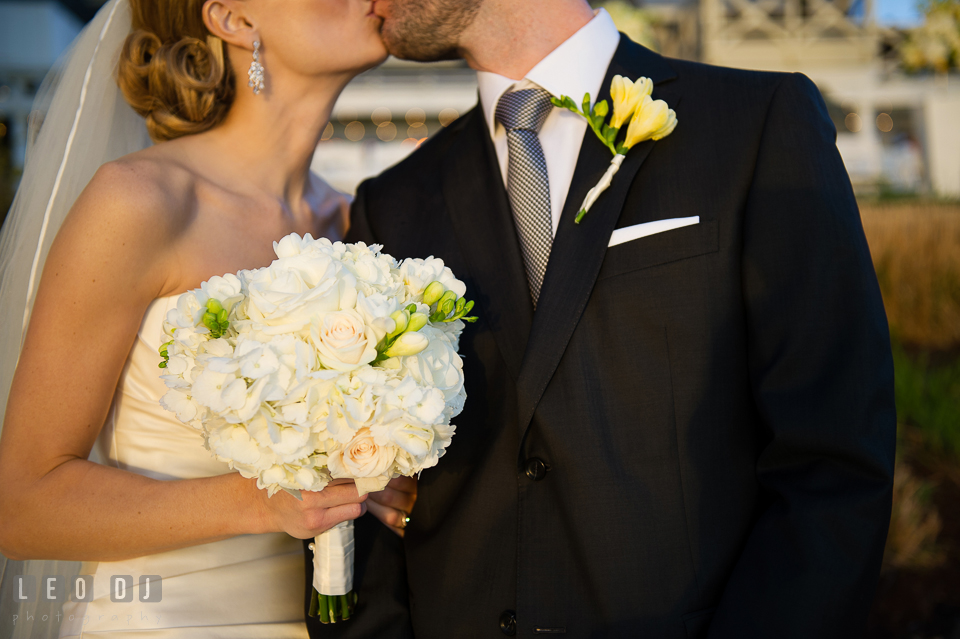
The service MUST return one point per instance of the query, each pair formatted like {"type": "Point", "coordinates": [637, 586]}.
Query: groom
{"type": "Point", "coordinates": [685, 434]}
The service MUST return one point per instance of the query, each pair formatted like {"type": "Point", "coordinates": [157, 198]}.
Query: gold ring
{"type": "Point", "coordinates": [403, 520]}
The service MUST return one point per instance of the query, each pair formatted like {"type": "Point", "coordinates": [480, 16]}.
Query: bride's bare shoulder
{"type": "Point", "coordinates": [148, 187]}
{"type": "Point", "coordinates": [130, 218]}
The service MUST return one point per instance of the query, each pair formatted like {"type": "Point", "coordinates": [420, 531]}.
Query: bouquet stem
{"type": "Point", "coordinates": [333, 608]}
{"type": "Point", "coordinates": [333, 597]}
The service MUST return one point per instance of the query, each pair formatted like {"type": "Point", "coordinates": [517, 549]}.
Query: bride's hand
{"type": "Point", "coordinates": [393, 504]}
{"type": "Point", "coordinates": [316, 513]}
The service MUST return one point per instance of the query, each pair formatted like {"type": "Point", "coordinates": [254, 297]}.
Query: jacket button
{"type": "Point", "coordinates": [508, 623]}
{"type": "Point", "coordinates": [536, 469]}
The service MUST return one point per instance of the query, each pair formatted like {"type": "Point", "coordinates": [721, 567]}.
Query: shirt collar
{"type": "Point", "coordinates": [576, 67]}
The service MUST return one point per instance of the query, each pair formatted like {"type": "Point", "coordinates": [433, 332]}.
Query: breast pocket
{"type": "Point", "coordinates": [662, 248]}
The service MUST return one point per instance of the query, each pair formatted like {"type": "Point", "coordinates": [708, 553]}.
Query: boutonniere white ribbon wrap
{"type": "Point", "coordinates": [648, 119]}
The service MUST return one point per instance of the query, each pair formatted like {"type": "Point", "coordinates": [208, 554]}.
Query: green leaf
{"type": "Point", "coordinates": [412, 308]}
{"type": "Point", "coordinates": [602, 108]}
{"type": "Point", "coordinates": [610, 134]}
{"type": "Point", "coordinates": [622, 149]}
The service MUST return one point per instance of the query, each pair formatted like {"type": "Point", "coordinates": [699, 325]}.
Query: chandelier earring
{"type": "Point", "coordinates": [255, 73]}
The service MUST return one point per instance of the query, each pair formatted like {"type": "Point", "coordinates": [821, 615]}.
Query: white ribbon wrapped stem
{"type": "Point", "coordinates": [333, 560]}
{"type": "Point", "coordinates": [603, 184]}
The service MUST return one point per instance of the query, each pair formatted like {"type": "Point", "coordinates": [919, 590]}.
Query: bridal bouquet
{"type": "Point", "coordinates": [335, 361]}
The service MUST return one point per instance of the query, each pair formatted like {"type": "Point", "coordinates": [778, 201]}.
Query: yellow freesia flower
{"type": "Point", "coordinates": [652, 120]}
{"type": "Point", "coordinates": [626, 95]}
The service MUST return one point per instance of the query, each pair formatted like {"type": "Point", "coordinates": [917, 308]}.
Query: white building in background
{"type": "Point", "coordinates": [385, 113]}
{"type": "Point", "coordinates": [894, 131]}
{"type": "Point", "coordinates": [32, 37]}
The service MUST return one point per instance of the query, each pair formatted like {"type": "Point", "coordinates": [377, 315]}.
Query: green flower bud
{"type": "Point", "coordinates": [460, 304]}
{"type": "Point", "coordinates": [210, 321]}
{"type": "Point", "coordinates": [412, 308]}
{"type": "Point", "coordinates": [449, 295]}
{"type": "Point", "coordinates": [214, 306]}
{"type": "Point", "coordinates": [432, 293]}
{"type": "Point", "coordinates": [447, 307]}
{"type": "Point", "coordinates": [408, 344]}
{"type": "Point", "coordinates": [417, 321]}
{"type": "Point", "coordinates": [402, 318]}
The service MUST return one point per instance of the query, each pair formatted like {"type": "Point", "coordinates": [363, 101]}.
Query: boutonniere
{"type": "Point", "coordinates": [649, 120]}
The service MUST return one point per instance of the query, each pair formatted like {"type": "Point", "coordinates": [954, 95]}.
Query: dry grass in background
{"type": "Point", "coordinates": [916, 250]}
{"type": "Point", "coordinates": [914, 524]}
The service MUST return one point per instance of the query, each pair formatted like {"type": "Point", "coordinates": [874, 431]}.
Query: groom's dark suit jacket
{"type": "Point", "coordinates": [693, 434]}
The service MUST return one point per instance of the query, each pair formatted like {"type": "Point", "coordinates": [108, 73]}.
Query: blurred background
{"type": "Point", "coordinates": [889, 71]}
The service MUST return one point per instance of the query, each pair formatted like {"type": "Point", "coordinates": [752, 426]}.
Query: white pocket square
{"type": "Point", "coordinates": [637, 231]}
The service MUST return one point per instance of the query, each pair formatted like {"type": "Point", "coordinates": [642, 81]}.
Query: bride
{"type": "Point", "coordinates": [228, 175]}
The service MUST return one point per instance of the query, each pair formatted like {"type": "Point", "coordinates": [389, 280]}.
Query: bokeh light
{"type": "Point", "coordinates": [354, 131]}
{"type": "Point", "coordinates": [885, 122]}
{"type": "Point", "coordinates": [416, 116]}
{"type": "Point", "coordinates": [387, 131]}
{"type": "Point", "coordinates": [447, 116]}
{"type": "Point", "coordinates": [853, 122]}
{"type": "Point", "coordinates": [381, 115]}
{"type": "Point", "coordinates": [327, 131]}
{"type": "Point", "coordinates": [417, 131]}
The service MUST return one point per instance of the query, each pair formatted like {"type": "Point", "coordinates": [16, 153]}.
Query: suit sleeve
{"type": "Point", "coordinates": [822, 381]}
{"type": "Point", "coordinates": [380, 573]}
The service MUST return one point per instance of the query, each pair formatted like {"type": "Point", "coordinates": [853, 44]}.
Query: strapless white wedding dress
{"type": "Point", "coordinates": [246, 587]}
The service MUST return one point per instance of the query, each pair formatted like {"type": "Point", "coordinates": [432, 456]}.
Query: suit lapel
{"type": "Point", "coordinates": [480, 214]}
{"type": "Point", "coordinates": [578, 250]}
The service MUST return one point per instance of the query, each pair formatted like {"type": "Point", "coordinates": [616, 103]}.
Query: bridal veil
{"type": "Point", "coordinates": [79, 121]}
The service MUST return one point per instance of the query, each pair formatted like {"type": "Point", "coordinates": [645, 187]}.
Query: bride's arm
{"type": "Point", "coordinates": [114, 254]}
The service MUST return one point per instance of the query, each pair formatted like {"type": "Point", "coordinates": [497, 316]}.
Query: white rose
{"type": "Point", "coordinates": [417, 274]}
{"type": "Point", "coordinates": [343, 341]}
{"type": "Point", "coordinates": [361, 457]}
{"type": "Point", "coordinates": [227, 290]}
{"type": "Point", "coordinates": [437, 365]}
{"type": "Point", "coordinates": [284, 297]}
{"type": "Point", "coordinates": [376, 309]}
{"type": "Point", "coordinates": [293, 244]}
{"type": "Point", "coordinates": [416, 439]}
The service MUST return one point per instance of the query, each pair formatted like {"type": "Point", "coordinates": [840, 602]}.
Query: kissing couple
{"type": "Point", "coordinates": [679, 419]}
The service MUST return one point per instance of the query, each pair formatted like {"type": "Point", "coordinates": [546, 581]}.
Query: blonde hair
{"type": "Point", "coordinates": [172, 71]}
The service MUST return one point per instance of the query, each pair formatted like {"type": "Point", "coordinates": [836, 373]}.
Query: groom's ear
{"type": "Point", "coordinates": [229, 21]}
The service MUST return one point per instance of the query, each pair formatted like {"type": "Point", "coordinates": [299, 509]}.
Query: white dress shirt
{"type": "Point", "coordinates": [576, 67]}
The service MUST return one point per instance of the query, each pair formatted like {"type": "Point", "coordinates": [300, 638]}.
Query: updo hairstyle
{"type": "Point", "coordinates": [172, 71]}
